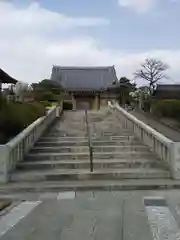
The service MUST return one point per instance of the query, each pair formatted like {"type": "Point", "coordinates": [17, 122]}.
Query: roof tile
{"type": "Point", "coordinates": [84, 78]}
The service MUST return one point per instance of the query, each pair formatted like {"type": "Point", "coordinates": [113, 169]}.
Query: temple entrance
{"type": "Point", "coordinates": [82, 104]}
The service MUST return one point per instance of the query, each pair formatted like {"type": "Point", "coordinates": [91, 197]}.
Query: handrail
{"type": "Point", "coordinates": [166, 150]}
{"type": "Point", "coordinates": [89, 142]}
{"type": "Point", "coordinates": [15, 150]}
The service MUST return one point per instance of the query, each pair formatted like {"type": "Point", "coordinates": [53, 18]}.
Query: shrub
{"type": "Point", "coordinates": [46, 96]}
{"type": "Point", "coordinates": [147, 105]}
{"type": "Point", "coordinates": [3, 101]}
{"type": "Point", "coordinates": [167, 108]}
{"type": "Point", "coordinates": [46, 104]}
{"type": "Point", "coordinates": [12, 120]}
{"type": "Point", "coordinates": [14, 117]}
{"type": "Point", "coordinates": [36, 110]}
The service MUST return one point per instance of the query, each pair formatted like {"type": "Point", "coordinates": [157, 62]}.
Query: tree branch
{"type": "Point", "coordinates": [152, 71]}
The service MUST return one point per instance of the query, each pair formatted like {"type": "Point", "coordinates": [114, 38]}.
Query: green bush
{"type": "Point", "coordinates": [35, 110]}
{"type": "Point", "coordinates": [3, 102]}
{"type": "Point", "coordinates": [14, 117]}
{"type": "Point", "coordinates": [46, 96]}
{"type": "Point", "coordinates": [46, 104]}
{"type": "Point", "coordinates": [169, 108]}
{"type": "Point", "coordinates": [147, 105]}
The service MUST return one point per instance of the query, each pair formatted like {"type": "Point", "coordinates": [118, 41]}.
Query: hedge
{"type": "Point", "coordinates": [169, 108]}
{"type": "Point", "coordinates": [14, 117]}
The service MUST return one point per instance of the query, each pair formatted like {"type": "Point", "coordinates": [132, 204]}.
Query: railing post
{"type": "Point", "coordinates": [89, 143]}
{"type": "Point", "coordinates": [175, 160]}
{"type": "Point", "coordinates": [57, 111]}
{"type": "Point", "coordinates": [91, 159]}
{"type": "Point", "coordinates": [4, 157]}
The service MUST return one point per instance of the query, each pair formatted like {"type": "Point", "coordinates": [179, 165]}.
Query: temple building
{"type": "Point", "coordinates": [87, 87]}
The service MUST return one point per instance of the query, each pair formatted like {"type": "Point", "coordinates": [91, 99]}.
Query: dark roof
{"type": "Point", "coordinates": [5, 78]}
{"type": "Point", "coordinates": [167, 91]}
{"type": "Point", "coordinates": [84, 78]}
{"type": "Point", "coordinates": [168, 87]}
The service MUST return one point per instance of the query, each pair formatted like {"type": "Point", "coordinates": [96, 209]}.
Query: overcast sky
{"type": "Point", "coordinates": [34, 35]}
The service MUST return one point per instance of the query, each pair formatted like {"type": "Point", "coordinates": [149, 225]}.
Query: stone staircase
{"type": "Point", "coordinates": [62, 154]}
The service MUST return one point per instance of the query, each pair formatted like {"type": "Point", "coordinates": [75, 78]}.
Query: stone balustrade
{"type": "Point", "coordinates": [166, 150]}
{"type": "Point", "coordinates": [14, 151]}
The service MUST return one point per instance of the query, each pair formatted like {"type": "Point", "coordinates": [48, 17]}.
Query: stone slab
{"type": "Point", "coordinates": [66, 195]}
{"type": "Point", "coordinates": [15, 215]}
{"type": "Point", "coordinates": [162, 223]}
{"type": "Point", "coordinates": [100, 215]}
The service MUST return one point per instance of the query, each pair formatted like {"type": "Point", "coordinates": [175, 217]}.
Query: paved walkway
{"type": "Point", "coordinates": [165, 130]}
{"type": "Point", "coordinates": [135, 215]}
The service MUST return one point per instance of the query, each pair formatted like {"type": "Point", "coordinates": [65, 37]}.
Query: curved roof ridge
{"type": "Point", "coordinates": [82, 67]}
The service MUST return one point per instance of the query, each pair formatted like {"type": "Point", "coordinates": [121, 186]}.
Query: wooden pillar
{"type": "Point", "coordinates": [96, 102]}
{"type": "Point", "coordinates": [73, 102]}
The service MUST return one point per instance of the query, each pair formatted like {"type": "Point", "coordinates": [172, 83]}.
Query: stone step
{"type": "Point", "coordinates": [84, 134]}
{"type": "Point", "coordinates": [104, 128]}
{"type": "Point", "coordinates": [107, 155]}
{"type": "Point", "coordinates": [59, 149]}
{"type": "Point", "coordinates": [69, 135]}
{"type": "Point", "coordinates": [84, 138]}
{"type": "Point", "coordinates": [85, 143]}
{"type": "Point", "coordinates": [61, 143]}
{"type": "Point", "coordinates": [61, 157]}
{"type": "Point", "coordinates": [64, 139]}
{"type": "Point", "coordinates": [83, 175]}
{"type": "Point", "coordinates": [88, 185]}
{"type": "Point", "coordinates": [77, 149]}
{"type": "Point", "coordinates": [108, 126]}
{"type": "Point", "coordinates": [85, 164]}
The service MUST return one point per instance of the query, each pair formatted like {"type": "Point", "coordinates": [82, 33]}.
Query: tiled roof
{"type": "Point", "coordinates": [168, 87]}
{"type": "Point", "coordinates": [5, 78]}
{"type": "Point", "coordinates": [84, 78]}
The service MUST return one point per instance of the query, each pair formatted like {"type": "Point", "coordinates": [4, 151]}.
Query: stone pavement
{"type": "Point", "coordinates": [170, 133]}
{"type": "Point", "coordinates": [116, 215]}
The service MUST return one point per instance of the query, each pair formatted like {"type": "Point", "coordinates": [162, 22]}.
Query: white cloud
{"type": "Point", "coordinates": [140, 6]}
{"type": "Point", "coordinates": [34, 18]}
{"type": "Point", "coordinates": [28, 53]}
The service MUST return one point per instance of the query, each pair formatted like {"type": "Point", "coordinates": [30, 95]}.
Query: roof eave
{"type": "Point", "coordinates": [5, 78]}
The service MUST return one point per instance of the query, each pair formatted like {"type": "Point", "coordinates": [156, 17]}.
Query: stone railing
{"type": "Point", "coordinates": [14, 151]}
{"type": "Point", "coordinates": [167, 150]}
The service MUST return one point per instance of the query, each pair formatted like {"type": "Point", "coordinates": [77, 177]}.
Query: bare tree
{"type": "Point", "coordinates": [152, 71]}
